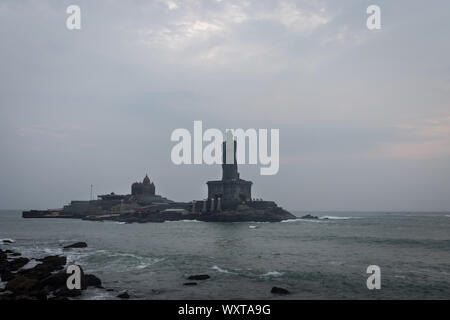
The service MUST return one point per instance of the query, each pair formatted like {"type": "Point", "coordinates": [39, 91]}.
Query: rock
{"type": "Point", "coordinates": [7, 297]}
{"type": "Point", "coordinates": [15, 254]}
{"type": "Point", "coordinates": [310, 217]}
{"type": "Point", "coordinates": [55, 281]}
{"type": "Point", "coordinates": [6, 276]}
{"type": "Point", "coordinates": [16, 264]}
{"type": "Point", "coordinates": [43, 270]}
{"type": "Point", "coordinates": [76, 245]}
{"type": "Point", "coordinates": [67, 293]}
{"type": "Point", "coordinates": [199, 277]}
{"type": "Point", "coordinates": [21, 284]}
{"type": "Point", "coordinates": [7, 241]}
{"type": "Point", "coordinates": [92, 281]}
{"type": "Point", "coordinates": [33, 295]}
{"type": "Point", "coordinates": [57, 261]}
{"type": "Point", "coordinates": [190, 284]}
{"type": "Point", "coordinates": [123, 295]}
{"type": "Point", "coordinates": [25, 297]}
{"type": "Point", "coordinates": [110, 290]}
{"type": "Point", "coordinates": [278, 290]}
{"type": "Point", "coordinates": [40, 281]}
{"type": "Point", "coordinates": [60, 298]}
{"type": "Point", "coordinates": [39, 271]}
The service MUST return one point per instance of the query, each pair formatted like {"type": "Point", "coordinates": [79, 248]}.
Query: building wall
{"type": "Point", "coordinates": [230, 191]}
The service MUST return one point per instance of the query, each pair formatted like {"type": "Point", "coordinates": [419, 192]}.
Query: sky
{"type": "Point", "coordinates": [364, 115]}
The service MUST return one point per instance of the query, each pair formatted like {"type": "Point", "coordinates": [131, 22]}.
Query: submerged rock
{"type": "Point", "coordinates": [76, 245]}
{"type": "Point", "coordinates": [190, 284]}
{"type": "Point", "coordinates": [199, 277]}
{"type": "Point", "coordinates": [278, 290]}
{"type": "Point", "coordinates": [123, 295]}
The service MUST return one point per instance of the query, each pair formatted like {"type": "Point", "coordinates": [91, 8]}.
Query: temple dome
{"type": "Point", "coordinates": [146, 180]}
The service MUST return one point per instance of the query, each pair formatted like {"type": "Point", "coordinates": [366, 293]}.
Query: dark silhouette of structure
{"type": "Point", "coordinates": [143, 188]}
{"type": "Point", "coordinates": [231, 190]}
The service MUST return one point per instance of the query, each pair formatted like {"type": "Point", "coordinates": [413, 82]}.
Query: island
{"type": "Point", "coordinates": [229, 200]}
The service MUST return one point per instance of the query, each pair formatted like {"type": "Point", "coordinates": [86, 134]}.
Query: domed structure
{"type": "Point", "coordinates": [143, 188]}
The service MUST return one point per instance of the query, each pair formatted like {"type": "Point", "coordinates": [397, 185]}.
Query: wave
{"type": "Point", "coordinates": [337, 218]}
{"type": "Point", "coordinates": [218, 269]}
{"type": "Point", "coordinates": [447, 215]}
{"type": "Point", "coordinates": [7, 240]}
{"type": "Point", "coordinates": [120, 260]}
{"type": "Point", "coordinates": [272, 274]}
{"type": "Point", "coordinates": [304, 220]}
{"type": "Point", "coordinates": [292, 220]}
{"type": "Point", "coordinates": [53, 251]}
{"type": "Point", "coordinates": [96, 294]}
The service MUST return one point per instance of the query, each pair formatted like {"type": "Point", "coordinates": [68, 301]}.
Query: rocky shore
{"type": "Point", "coordinates": [47, 280]}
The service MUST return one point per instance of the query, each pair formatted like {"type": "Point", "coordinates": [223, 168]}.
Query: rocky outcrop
{"type": "Point", "coordinates": [92, 281]}
{"type": "Point", "coordinates": [309, 217]}
{"type": "Point", "coordinates": [46, 280]}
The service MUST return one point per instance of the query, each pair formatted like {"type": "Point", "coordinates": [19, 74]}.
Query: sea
{"type": "Point", "coordinates": [313, 259]}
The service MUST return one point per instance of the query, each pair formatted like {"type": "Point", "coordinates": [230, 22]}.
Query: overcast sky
{"type": "Point", "coordinates": [364, 116]}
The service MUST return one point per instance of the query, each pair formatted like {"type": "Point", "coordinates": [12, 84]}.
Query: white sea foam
{"type": "Point", "coordinates": [96, 294]}
{"type": "Point", "coordinates": [291, 220]}
{"type": "Point", "coordinates": [218, 269]}
{"type": "Point", "coordinates": [7, 240]}
{"type": "Point", "coordinates": [272, 274]}
{"type": "Point", "coordinates": [31, 264]}
{"type": "Point", "coordinates": [53, 251]}
{"type": "Point", "coordinates": [132, 260]}
{"type": "Point", "coordinates": [337, 218]}
{"type": "Point", "coordinates": [303, 220]}
{"type": "Point", "coordinates": [253, 227]}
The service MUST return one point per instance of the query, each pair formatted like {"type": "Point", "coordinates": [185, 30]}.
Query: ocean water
{"type": "Point", "coordinates": [316, 259]}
